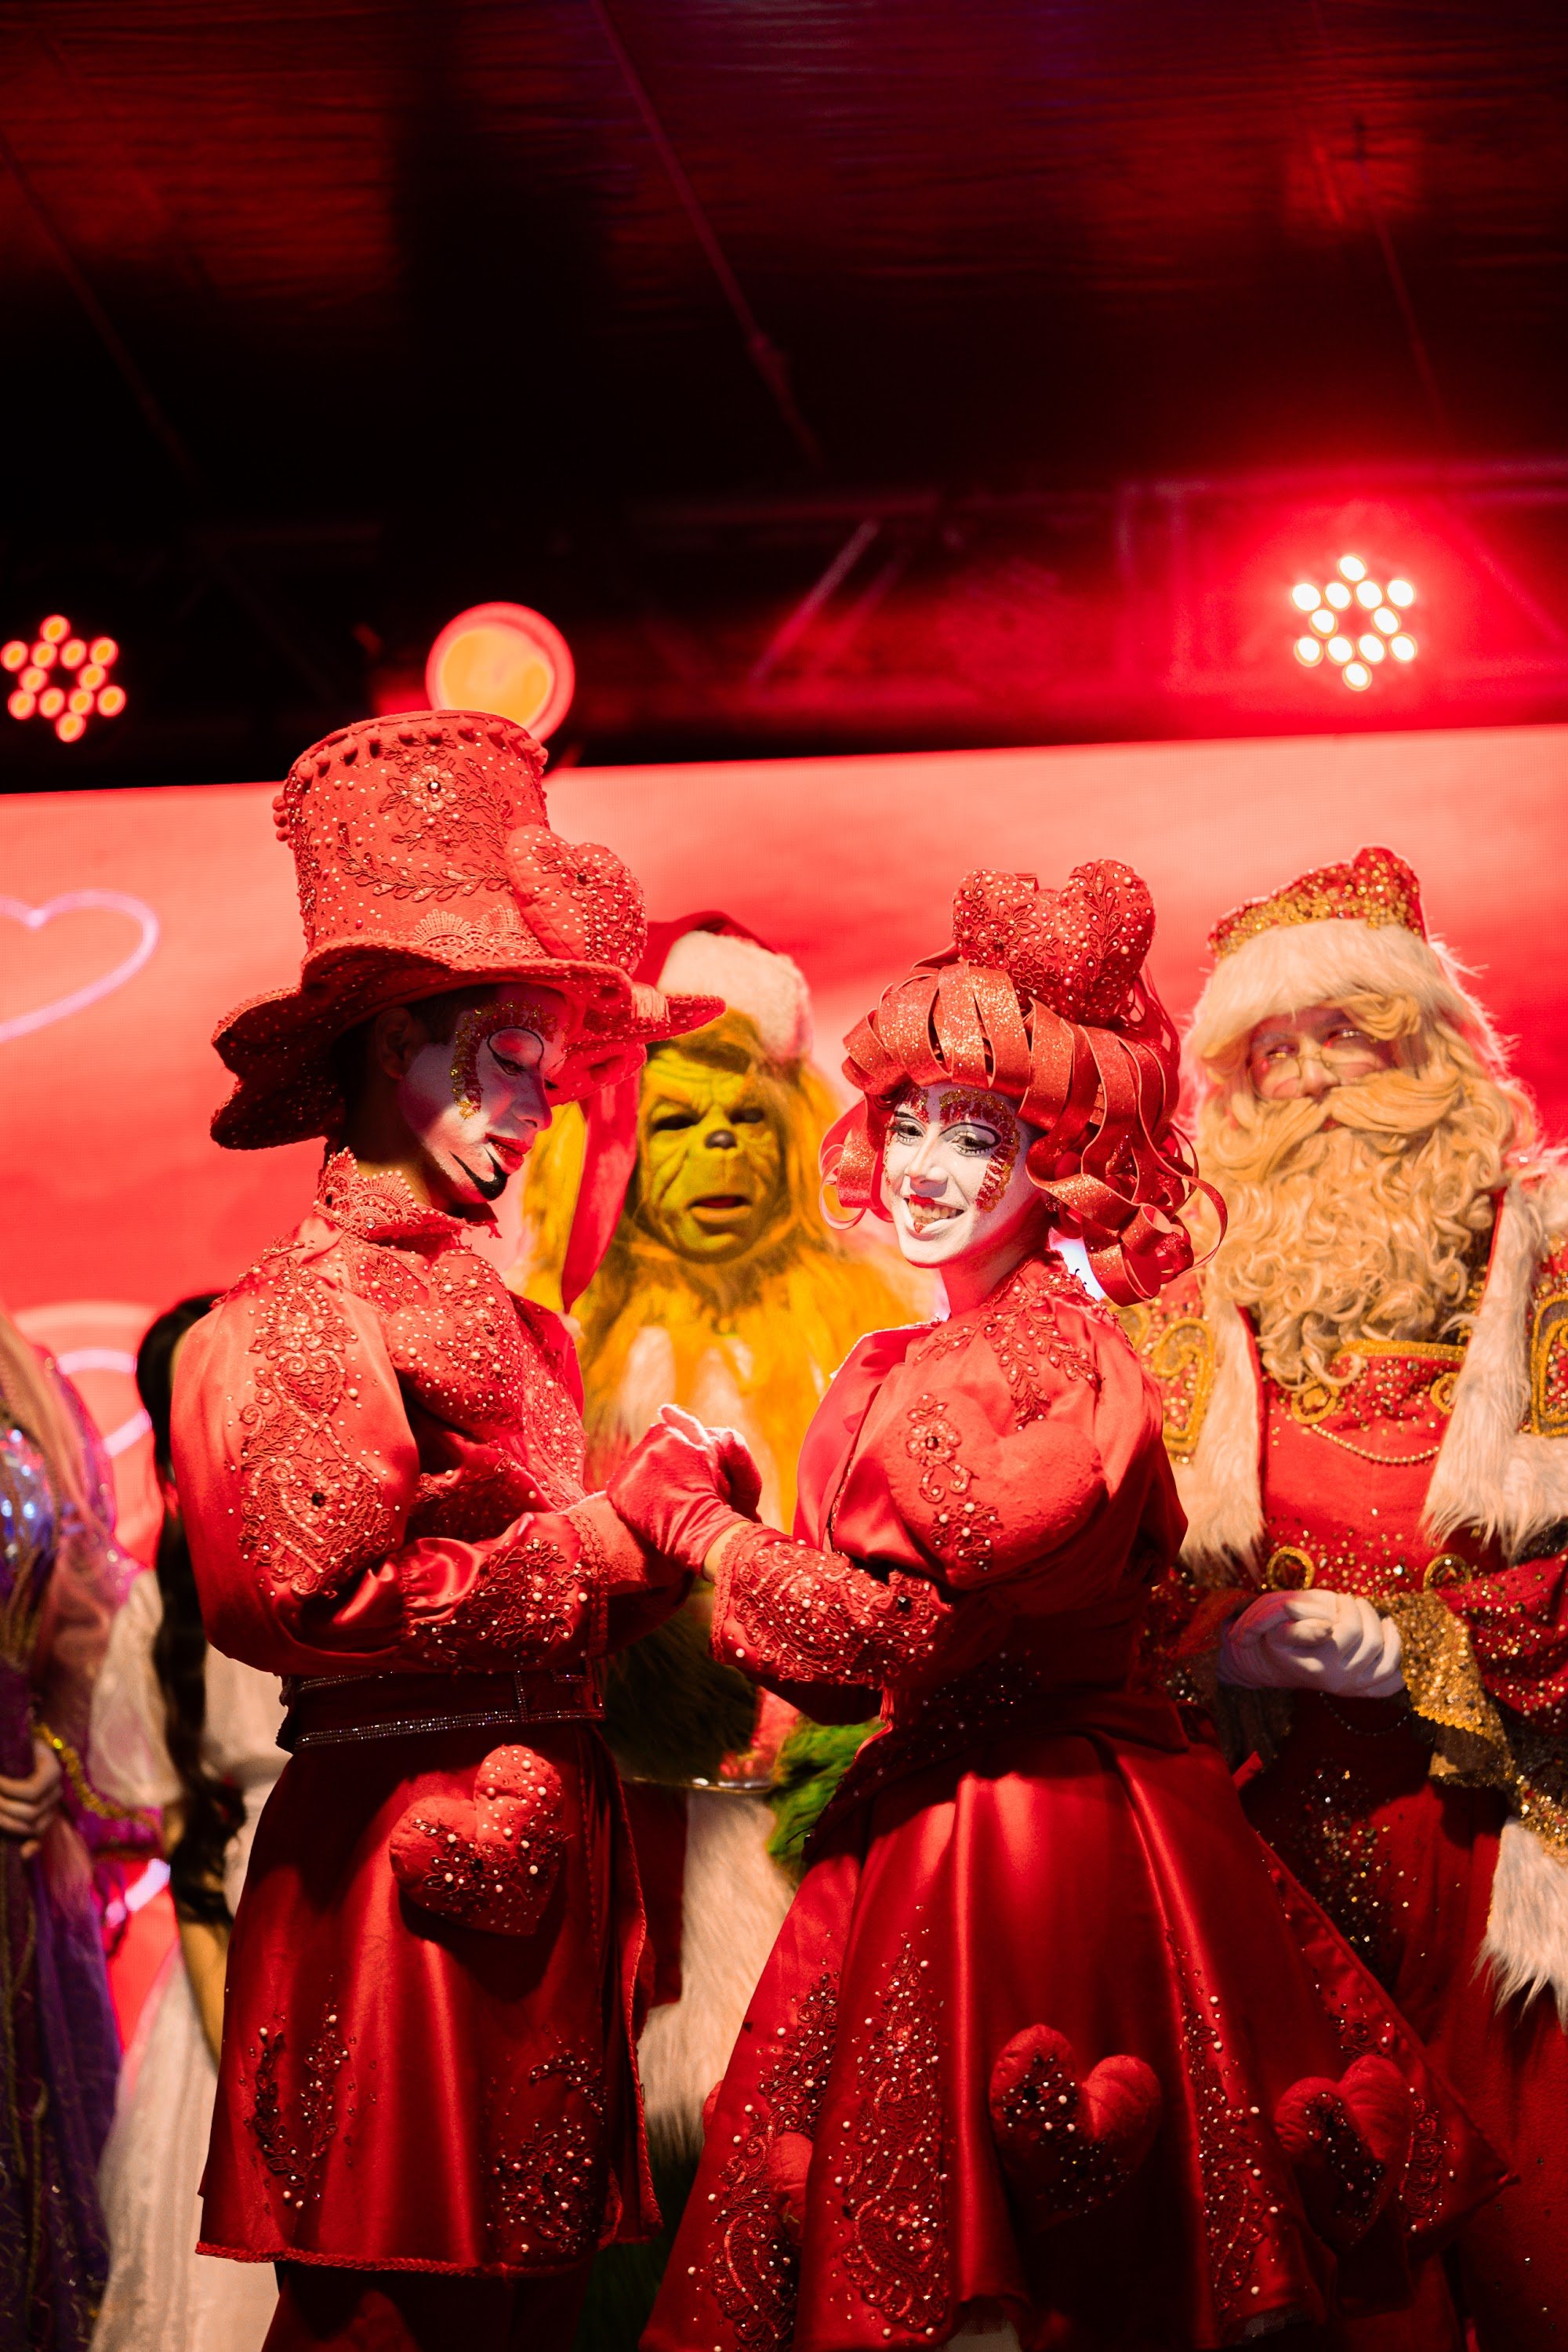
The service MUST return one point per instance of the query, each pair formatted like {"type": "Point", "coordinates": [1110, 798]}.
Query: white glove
{"type": "Point", "coordinates": [1313, 1640]}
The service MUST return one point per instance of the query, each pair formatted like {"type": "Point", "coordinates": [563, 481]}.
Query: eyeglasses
{"type": "Point", "coordinates": [1346, 1054]}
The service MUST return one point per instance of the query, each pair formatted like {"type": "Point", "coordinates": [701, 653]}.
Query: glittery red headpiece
{"type": "Point", "coordinates": [1043, 997]}
{"type": "Point", "coordinates": [426, 862]}
{"type": "Point", "coordinates": [1374, 887]}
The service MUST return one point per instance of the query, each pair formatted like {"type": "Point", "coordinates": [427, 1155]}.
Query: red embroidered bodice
{"type": "Point", "coordinates": [379, 1453]}
{"type": "Point", "coordinates": [993, 1483]}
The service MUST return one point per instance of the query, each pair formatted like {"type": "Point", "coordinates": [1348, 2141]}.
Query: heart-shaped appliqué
{"type": "Point", "coordinates": [1348, 2144]}
{"type": "Point", "coordinates": [1070, 2142]}
{"type": "Point", "coordinates": [1079, 949]}
{"type": "Point", "coordinates": [577, 897]}
{"type": "Point", "coordinates": [491, 1863]}
{"type": "Point", "coordinates": [76, 1000]}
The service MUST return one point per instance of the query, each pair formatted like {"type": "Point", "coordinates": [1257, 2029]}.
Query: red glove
{"type": "Point", "coordinates": [682, 1486]}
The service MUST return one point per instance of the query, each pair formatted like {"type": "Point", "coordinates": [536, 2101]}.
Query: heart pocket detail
{"type": "Point", "coordinates": [1078, 949]}
{"type": "Point", "coordinates": [490, 1861]}
{"type": "Point", "coordinates": [1348, 2144]}
{"type": "Point", "coordinates": [1070, 2142]}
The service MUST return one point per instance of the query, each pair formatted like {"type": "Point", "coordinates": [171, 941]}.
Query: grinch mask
{"type": "Point", "coordinates": [711, 1156]}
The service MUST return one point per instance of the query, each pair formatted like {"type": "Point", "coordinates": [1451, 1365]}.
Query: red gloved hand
{"type": "Point", "coordinates": [682, 1486]}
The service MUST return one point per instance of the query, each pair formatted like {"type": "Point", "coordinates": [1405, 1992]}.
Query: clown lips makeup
{"type": "Point", "coordinates": [478, 1101]}
{"type": "Point", "coordinates": [955, 1174]}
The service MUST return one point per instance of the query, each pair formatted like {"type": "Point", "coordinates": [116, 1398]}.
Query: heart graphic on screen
{"type": "Point", "coordinates": [80, 902]}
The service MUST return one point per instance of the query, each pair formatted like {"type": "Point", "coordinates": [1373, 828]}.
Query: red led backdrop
{"type": "Point", "coordinates": [130, 920]}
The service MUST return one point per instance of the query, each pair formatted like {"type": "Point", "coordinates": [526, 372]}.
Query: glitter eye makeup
{"type": "Point", "coordinates": [964, 1105]}
{"type": "Point", "coordinates": [486, 1021]}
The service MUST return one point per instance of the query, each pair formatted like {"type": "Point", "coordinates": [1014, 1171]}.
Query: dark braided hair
{"type": "Point", "coordinates": [213, 1808]}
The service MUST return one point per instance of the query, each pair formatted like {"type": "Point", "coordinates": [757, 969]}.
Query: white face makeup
{"type": "Point", "coordinates": [478, 1101]}
{"type": "Point", "coordinates": [954, 1178]}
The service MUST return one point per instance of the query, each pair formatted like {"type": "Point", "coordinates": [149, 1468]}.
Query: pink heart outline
{"type": "Point", "coordinates": [73, 902]}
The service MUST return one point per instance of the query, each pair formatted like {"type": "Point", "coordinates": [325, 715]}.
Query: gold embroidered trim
{"type": "Point", "coordinates": [1549, 1363]}
{"type": "Point", "coordinates": [1180, 1355]}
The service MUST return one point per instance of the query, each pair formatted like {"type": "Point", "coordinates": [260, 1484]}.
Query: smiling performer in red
{"type": "Point", "coordinates": [427, 2108]}
{"type": "Point", "coordinates": [1044, 2054]}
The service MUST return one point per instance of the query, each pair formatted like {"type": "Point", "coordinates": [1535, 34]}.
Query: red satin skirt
{"type": "Point", "coordinates": [1088, 1870]}
{"type": "Point", "coordinates": [401, 2092]}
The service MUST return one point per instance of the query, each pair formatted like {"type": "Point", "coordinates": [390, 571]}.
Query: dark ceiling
{"type": "Point", "coordinates": [321, 321]}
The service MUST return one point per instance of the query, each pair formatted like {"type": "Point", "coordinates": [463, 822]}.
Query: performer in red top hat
{"type": "Point", "coordinates": [1049, 2046]}
{"type": "Point", "coordinates": [428, 2112]}
{"type": "Point", "coordinates": [1366, 1404]}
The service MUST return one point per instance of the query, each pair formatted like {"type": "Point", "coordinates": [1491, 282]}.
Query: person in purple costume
{"type": "Point", "coordinates": [60, 1581]}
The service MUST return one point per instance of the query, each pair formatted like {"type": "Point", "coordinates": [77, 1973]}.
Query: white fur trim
{"type": "Point", "coordinates": [1490, 1474]}
{"type": "Point", "coordinates": [752, 979]}
{"type": "Point", "coordinates": [1220, 1486]}
{"type": "Point", "coordinates": [1296, 964]}
{"type": "Point", "coordinates": [732, 1908]}
{"type": "Point", "coordinates": [1526, 1942]}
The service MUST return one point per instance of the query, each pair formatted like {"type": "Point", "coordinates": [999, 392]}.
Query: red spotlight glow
{"type": "Point", "coordinates": [1340, 650]}
{"type": "Point", "coordinates": [1370, 648]}
{"type": "Point", "coordinates": [80, 700]}
{"type": "Point", "coordinates": [1325, 624]}
{"type": "Point", "coordinates": [104, 651]}
{"type": "Point", "coordinates": [46, 652]}
{"type": "Point", "coordinates": [71, 726]}
{"type": "Point", "coordinates": [22, 704]}
{"type": "Point", "coordinates": [14, 655]}
{"type": "Point", "coordinates": [51, 702]}
{"type": "Point", "coordinates": [1309, 652]}
{"type": "Point", "coordinates": [1357, 676]}
{"type": "Point", "coordinates": [92, 677]}
{"type": "Point", "coordinates": [33, 677]}
{"type": "Point", "coordinates": [1353, 567]}
{"type": "Point", "coordinates": [1337, 594]}
{"type": "Point", "coordinates": [56, 627]}
{"type": "Point", "coordinates": [73, 652]}
{"type": "Point", "coordinates": [1369, 594]}
{"type": "Point", "coordinates": [112, 701]}
{"type": "Point", "coordinates": [1401, 592]}
{"type": "Point", "coordinates": [82, 669]}
{"type": "Point", "coordinates": [1402, 648]}
{"type": "Point", "coordinates": [1304, 596]}
{"type": "Point", "coordinates": [506, 658]}
{"type": "Point", "coordinates": [1385, 620]}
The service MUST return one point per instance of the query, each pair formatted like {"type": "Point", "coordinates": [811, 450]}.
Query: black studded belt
{"type": "Point", "coordinates": [332, 1710]}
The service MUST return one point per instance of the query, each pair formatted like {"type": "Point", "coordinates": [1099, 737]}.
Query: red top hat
{"type": "Point", "coordinates": [426, 862]}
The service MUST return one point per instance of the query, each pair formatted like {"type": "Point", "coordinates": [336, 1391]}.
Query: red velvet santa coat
{"type": "Point", "coordinates": [378, 1452]}
{"type": "Point", "coordinates": [1026, 1842]}
{"type": "Point", "coordinates": [1396, 1813]}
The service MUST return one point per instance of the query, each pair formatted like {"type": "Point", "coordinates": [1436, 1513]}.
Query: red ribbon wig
{"type": "Point", "coordinates": [1043, 999]}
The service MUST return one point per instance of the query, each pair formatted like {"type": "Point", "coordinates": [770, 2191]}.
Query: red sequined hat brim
{"type": "Point", "coordinates": [279, 1045]}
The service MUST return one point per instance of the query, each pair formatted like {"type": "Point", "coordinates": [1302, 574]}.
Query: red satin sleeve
{"type": "Point", "coordinates": [786, 1613]}
{"type": "Point", "coordinates": [298, 1470]}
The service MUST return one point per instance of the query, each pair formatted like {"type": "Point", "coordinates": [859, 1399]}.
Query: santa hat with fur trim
{"type": "Point", "coordinates": [1345, 930]}
{"type": "Point", "coordinates": [769, 988]}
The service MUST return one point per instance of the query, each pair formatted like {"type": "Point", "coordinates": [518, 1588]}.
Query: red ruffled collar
{"type": "Point", "coordinates": [379, 1208]}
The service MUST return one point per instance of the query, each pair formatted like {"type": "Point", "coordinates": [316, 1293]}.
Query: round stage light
{"type": "Point", "coordinates": [1370, 648]}
{"type": "Point", "coordinates": [1340, 650]}
{"type": "Point", "coordinates": [46, 652]}
{"type": "Point", "coordinates": [33, 677]}
{"type": "Point", "coordinates": [1385, 620]}
{"type": "Point", "coordinates": [1357, 676]}
{"type": "Point", "coordinates": [14, 654]}
{"type": "Point", "coordinates": [1324, 622]}
{"type": "Point", "coordinates": [104, 651]}
{"type": "Point", "coordinates": [51, 702]}
{"type": "Point", "coordinates": [1337, 594]}
{"type": "Point", "coordinates": [1402, 648]}
{"type": "Point", "coordinates": [1369, 594]}
{"type": "Point", "coordinates": [22, 703]}
{"type": "Point", "coordinates": [1400, 591]}
{"type": "Point", "coordinates": [1351, 567]}
{"type": "Point", "coordinates": [1309, 651]}
{"type": "Point", "coordinates": [56, 627]}
{"type": "Point", "coordinates": [80, 700]}
{"type": "Point", "coordinates": [112, 701]}
{"type": "Point", "coordinates": [506, 658]}
{"type": "Point", "coordinates": [73, 652]}
{"type": "Point", "coordinates": [92, 677]}
{"type": "Point", "coordinates": [1304, 596]}
{"type": "Point", "coordinates": [71, 726]}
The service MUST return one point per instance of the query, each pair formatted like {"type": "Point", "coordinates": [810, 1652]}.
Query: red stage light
{"type": "Point", "coordinates": [1337, 594]}
{"type": "Point", "coordinates": [1304, 596]}
{"type": "Point", "coordinates": [1368, 593]}
{"type": "Point", "coordinates": [1353, 567]}
{"type": "Point", "coordinates": [1309, 652]}
{"type": "Point", "coordinates": [1325, 624]}
{"type": "Point", "coordinates": [1357, 661]}
{"type": "Point", "coordinates": [1401, 592]}
{"type": "Point", "coordinates": [83, 671]}
{"type": "Point", "coordinates": [1340, 650]}
{"type": "Point", "coordinates": [1385, 620]}
{"type": "Point", "coordinates": [506, 658]}
{"type": "Point", "coordinates": [1402, 648]}
{"type": "Point", "coordinates": [1370, 648]}
{"type": "Point", "coordinates": [1357, 676]}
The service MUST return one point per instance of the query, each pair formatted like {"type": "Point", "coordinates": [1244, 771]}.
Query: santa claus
{"type": "Point", "coordinates": [1366, 1400]}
